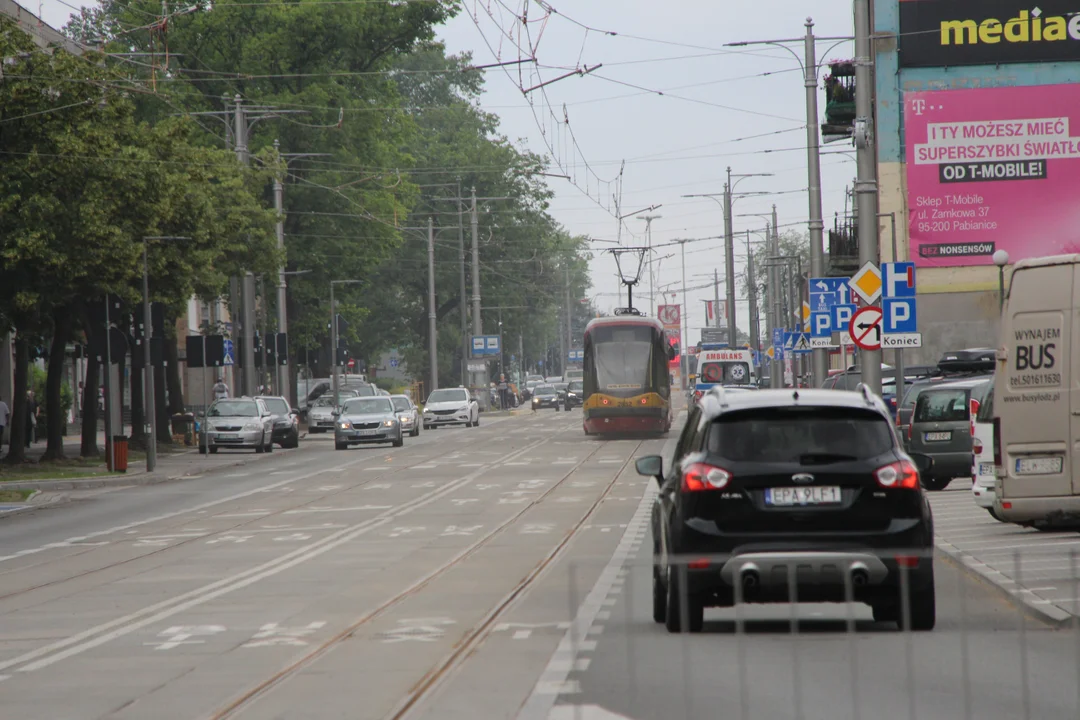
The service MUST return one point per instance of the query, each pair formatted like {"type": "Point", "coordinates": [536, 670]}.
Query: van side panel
{"type": "Point", "coordinates": [1032, 384]}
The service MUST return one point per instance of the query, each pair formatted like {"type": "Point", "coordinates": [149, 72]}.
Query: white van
{"type": "Point", "coordinates": [983, 470]}
{"type": "Point", "coordinates": [1036, 400]}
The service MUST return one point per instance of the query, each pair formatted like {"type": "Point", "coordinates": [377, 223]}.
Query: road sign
{"type": "Point", "coordinates": [575, 355]}
{"type": "Point", "coordinates": [821, 342]}
{"type": "Point", "coordinates": [789, 340]}
{"type": "Point", "coordinates": [820, 324]}
{"type": "Point", "coordinates": [669, 315]}
{"type": "Point", "coordinates": [841, 316]}
{"type": "Point", "coordinates": [867, 283]}
{"type": "Point", "coordinates": [900, 316]}
{"type": "Point", "coordinates": [230, 356]}
{"type": "Point", "coordinates": [485, 345]}
{"type": "Point", "coordinates": [902, 340]}
{"type": "Point", "coordinates": [393, 362]}
{"type": "Point", "coordinates": [898, 280]}
{"type": "Point", "coordinates": [865, 328]}
{"type": "Point", "coordinates": [351, 364]}
{"type": "Point", "coordinates": [805, 316]}
{"type": "Point", "coordinates": [476, 367]}
{"type": "Point", "coordinates": [770, 352]}
{"type": "Point", "coordinates": [802, 344]}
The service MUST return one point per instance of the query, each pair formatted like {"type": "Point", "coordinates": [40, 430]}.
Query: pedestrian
{"type": "Point", "coordinates": [32, 413]}
{"type": "Point", "coordinates": [5, 413]}
{"type": "Point", "coordinates": [504, 393]}
{"type": "Point", "coordinates": [221, 390]}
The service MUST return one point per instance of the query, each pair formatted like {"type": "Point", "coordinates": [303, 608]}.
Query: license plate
{"type": "Point", "coordinates": [802, 496]}
{"type": "Point", "coordinates": [1039, 466]}
{"type": "Point", "coordinates": [366, 432]}
{"type": "Point", "coordinates": [986, 469]}
{"type": "Point", "coordinates": [938, 436]}
{"type": "Point", "coordinates": [228, 436]}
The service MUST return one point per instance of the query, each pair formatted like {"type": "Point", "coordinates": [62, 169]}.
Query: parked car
{"type": "Point", "coordinates": [367, 420]}
{"type": "Point", "coordinates": [286, 421]}
{"type": "Point", "coordinates": [983, 468]}
{"type": "Point", "coordinates": [321, 414]}
{"type": "Point", "coordinates": [408, 414]}
{"type": "Point", "coordinates": [451, 406]}
{"type": "Point", "coordinates": [762, 483]}
{"type": "Point", "coordinates": [545, 396]}
{"type": "Point", "coordinates": [575, 395]}
{"type": "Point", "coordinates": [530, 385]}
{"type": "Point", "coordinates": [237, 423]}
{"type": "Point", "coordinates": [941, 427]}
{"type": "Point", "coordinates": [553, 379]}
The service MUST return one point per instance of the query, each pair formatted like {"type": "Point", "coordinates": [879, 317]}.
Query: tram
{"type": "Point", "coordinates": [627, 382]}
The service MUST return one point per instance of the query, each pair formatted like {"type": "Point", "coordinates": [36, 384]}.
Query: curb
{"type": "Point", "coordinates": [32, 505]}
{"type": "Point", "coordinates": [1034, 606]}
{"type": "Point", "coordinates": [139, 478]}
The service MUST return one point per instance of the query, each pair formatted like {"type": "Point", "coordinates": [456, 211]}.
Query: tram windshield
{"type": "Point", "coordinates": [623, 361]}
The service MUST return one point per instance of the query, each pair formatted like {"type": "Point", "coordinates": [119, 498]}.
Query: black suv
{"type": "Point", "coordinates": [813, 481]}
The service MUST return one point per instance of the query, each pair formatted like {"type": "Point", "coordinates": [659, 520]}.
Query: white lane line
{"type": "Point", "coordinates": [378, 467]}
{"type": "Point", "coordinates": [299, 511]}
{"type": "Point", "coordinates": [425, 466]}
{"type": "Point", "coordinates": [106, 632]}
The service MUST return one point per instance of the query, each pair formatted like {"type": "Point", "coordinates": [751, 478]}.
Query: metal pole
{"type": "Point", "coordinates": [729, 261]}
{"type": "Point", "coordinates": [432, 330]}
{"type": "Point", "coordinates": [246, 287]}
{"type": "Point", "coordinates": [281, 371]}
{"type": "Point", "coordinates": [1001, 289]}
{"type": "Point", "coordinates": [684, 369]}
{"type": "Point", "coordinates": [333, 346]}
{"type": "Point", "coordinates": [776, 379]}
{"type": "Point", "coordinates": [249, 333]}
{"type": "Point", "coordinates": [865, 184]}
{"type": "Point", "coordinates": [148, 370]}
{"type": "Point", "coordinates": [899, 357]}
{"type": "Point", "coordinates": [820, 356]}
{"type": "Point", "coordinates": [755, 320]}
{"type": "Point", "coordinates": [110, 454]}
{"type": "Point", "coordinates": [479, 378]}
{"type": "Point", "coordinates": [464, 301]}
{"type": "Point", "coordinates": [716, 297]}
{"type": "Point", "coordinates": [569, 314]}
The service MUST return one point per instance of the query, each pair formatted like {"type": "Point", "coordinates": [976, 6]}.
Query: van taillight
{"type": "Point", "coordinates": [976, 446]}
{"type": "Point", "coordinates": [973, 408]}
{"type": "Point", "coordinates": [998, 447]}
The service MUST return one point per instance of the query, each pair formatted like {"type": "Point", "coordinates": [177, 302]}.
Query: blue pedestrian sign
{"type": "Point", "coordinates": [229, 354]}
{"type": "Point", "coordinates": [800, 343]}
{"type": "Point", "coordinates": [575, 356]}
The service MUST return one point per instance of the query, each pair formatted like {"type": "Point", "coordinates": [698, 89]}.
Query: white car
{"type": "Point", "coordinates": [451, 406]}
{"type": "Point", "coordinates": [983, 470]}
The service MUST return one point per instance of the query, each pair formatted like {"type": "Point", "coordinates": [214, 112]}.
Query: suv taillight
{"type": "Point", "coordinates": [898, 475]}
{"type": "Point", "coordinates": [701, 476]}
{"type": "Point", "coordinates": [977, 446]}
{"type": "Point", "coordinates": [911, 423]}
{"type": "Point", "coordinates": [973, 407]}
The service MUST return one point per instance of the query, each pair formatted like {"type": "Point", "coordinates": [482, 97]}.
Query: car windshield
{"type": "Point", "coordinates": [401, 404]}
{"type": "Point", "coordinates": [234, 408]}
{"type": "Point", "coordinates": [576, 386]}
{"type": "Point", "coordinates": [725, 373]}
{"type": "Point", "coordinates": [367, 406]}
{"type": "Point", "coordinates": [441, 396]}
{"type": "Point", "coordinates": [277, 406]}
{"type": "Point", "coordinates": [561, 386]}
{"type": "Point", "coordinates": [325, 401]}
{"type": "Point", "coordinates": [532, 383]}
{"type": "Point", "coordinates": [535, 378]}
{"type": "Point", "coordinates": [544, 390]}
{"type": "Point", "coordinates": [800, 435]}
{"type": "Point", "coordinates": [942, 405]}
{"type": "Point", "coordinates": [362, 391]}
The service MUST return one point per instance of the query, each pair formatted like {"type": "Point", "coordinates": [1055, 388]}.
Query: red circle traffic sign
{"type": "Point", "coordinates": [865, 328]}
{"type": "Point", "coordinates": [352, 363]}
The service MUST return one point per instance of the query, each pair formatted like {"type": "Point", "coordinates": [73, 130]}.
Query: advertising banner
{"type": "Point", "coordinates": [939, 33]}
{"type": "Point", "coordinates": [992, 169]}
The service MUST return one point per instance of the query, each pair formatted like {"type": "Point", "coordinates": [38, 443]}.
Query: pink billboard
{"type": "Point", "coordinates": [992, 169]}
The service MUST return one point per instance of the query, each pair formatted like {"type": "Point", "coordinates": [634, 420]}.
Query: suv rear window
{"type": "Point", "coordinates": [942, 405]}
{"type": "Point", "coordinates": [798, 434]}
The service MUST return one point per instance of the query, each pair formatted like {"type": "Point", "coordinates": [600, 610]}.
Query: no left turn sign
{"type": "Point", "coordinates": [865, 328]}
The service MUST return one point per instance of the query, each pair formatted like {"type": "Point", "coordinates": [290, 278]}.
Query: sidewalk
{"type": "Point", "coordinates": [1037, 569]}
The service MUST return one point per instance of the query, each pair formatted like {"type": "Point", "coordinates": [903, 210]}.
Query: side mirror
{"type": "Point", "coordinates": [923, 462]}
{"type": "Point", "coordinates": [651, 466]}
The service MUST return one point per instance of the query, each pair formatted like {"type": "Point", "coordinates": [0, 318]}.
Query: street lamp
{"type": "Point", "coordinates": [333, 335]}
{"type": "Point", "coordinates": [1001, 259]}
{"type": "Point", "coordinates": [148, 371]}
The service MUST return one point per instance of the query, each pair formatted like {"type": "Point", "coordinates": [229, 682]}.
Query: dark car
{"type": "Point", "coordinates": [810, 482]}
{"type": "Point", "coordinates": [942, 426]}
{"type": "Point", "coordinates": [575, 395]}
{"type": "Point", "coordinates": [957, 365]}
{"type": "Point", "coordinates": [286, 421]}
{"type": "Point", "coordinates": [545, 396]}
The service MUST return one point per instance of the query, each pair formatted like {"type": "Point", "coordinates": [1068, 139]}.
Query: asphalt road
{"type": "Point", "coordinates": [492, 572]}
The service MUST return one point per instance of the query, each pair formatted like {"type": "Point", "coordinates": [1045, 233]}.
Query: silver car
{"type": "Point", "coordinates": [408, 414]}
{"type": "Point", "coordinates": [321, 414]}
{"type": "Point", "coordinates": [367, 420]}
{"type": "Point", "coordinates": [237, 423]}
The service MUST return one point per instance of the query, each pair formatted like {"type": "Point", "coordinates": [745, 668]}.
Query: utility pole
{"type": "Point", "coordinates": [751, 284]}
{"type": "Point", "coordinates": [716, 295]}
{"type": "Point", "coordinates": [776, 379]}
{"type": "Point", "coordinates": [432, 330]}
{"type": "Point", "coordinates": [281, 370]}
{"type": "Point", "coordinates": [463, 302]}
{"type": "Point", "coordinates": [684, 373]}
{"type": "Point", "coordinates": [866, 183]}
{"type": "Point", "coordinates": [819, 358]}
{"type": "Point", "coordinates": [729, 261]}
{"type": "Point", "coordinates": [148, 370]}
{"type": "Point", "coordinates": [569, 328]}
{"type": "Point", "coordinates": [480, 378]}
{"type": "Point", "coordinates": [247, 282]}
{"type": "Point", "coordinates": [648, 235]}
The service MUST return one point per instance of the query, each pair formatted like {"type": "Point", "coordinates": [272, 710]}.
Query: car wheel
{"type": "Point", "coordinates": [340, 446]}
{"type": "Point", "coordinates": [415, 432]}
{"type": "Point", "coordinates": [260, 449]}
{"type": "Point", "coordinates": [936, 484]}
{"type": "Point", "coordinates": [476, 423]}
{"type": "Point", "coordinates": [659, 598]}
{"type": "Point", "coordinates": [675, 598]}
{"type": "Point", "coordinates": [270, 447]}
{"type": "Point", "coordinates": [886, 612]}
{"type": "Point", "coordinates": [399, 442]}
{"type": "Point", "coordinates": [313, 430]}
{"type": "Point", "coordinates": [923, 608]}
{"type": "Point", "coordinates": [994, 514]}
{"type": "Point", "coordinates": [556, 408]}
{"type": "Point", "coordinates": [202, 449]}
{"type": "Point", "coordinates": [427, 427]}
{"type": "Point", "coordinates": [213, 450]}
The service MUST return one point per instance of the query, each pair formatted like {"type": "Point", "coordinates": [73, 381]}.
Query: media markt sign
{"type": "Point", "coordinates": [940, 33]}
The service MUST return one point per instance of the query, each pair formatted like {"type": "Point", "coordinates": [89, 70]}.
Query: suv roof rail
{"type": "Point", "coordinates": [867, 395]}
{"type": "Point", "coordinates": [720, 393]}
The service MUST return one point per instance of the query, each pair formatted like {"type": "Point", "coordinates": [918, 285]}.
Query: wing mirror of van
{"type": "Point", "coordinates": [651, 466]}
{"type": "Point", "coordinates": [923, 462]}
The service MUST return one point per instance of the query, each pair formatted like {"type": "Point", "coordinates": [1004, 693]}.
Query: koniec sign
{"type": "Point", "coordinates": [992, 169]}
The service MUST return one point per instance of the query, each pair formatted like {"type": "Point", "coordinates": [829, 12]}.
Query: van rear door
{"type": "Point", "coordinates": [1032, 398]}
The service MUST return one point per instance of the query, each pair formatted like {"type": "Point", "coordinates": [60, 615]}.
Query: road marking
{"type": "Point", "coordinates": [376, 467]}
{"type": "Point", "coordinates": [455, 530]}
{"type": "Point", "coordinates": [399, 531]}
{"type": "Point", "coordinates": [472, 464]}
{"type": "Point", "coordinates": [181, 635]}
{"type": "Point", "coordinates": [273, 635]}
{"type": "Point", "coordinates": [517, 464]}
{"type": "Point", "coordinates": [569, 499]}
{"type": "Point", "coordinates": [611, 461]}
{"type": "Point", "coordinates": [417, 630]}
{"type": "Point", "coordinates": [322, 509]}
{"type": "Point", "coordinates": [427, 484]}
{"type": "Point", "coordinates": [238, 475]}
{"type": "Point", "coordinates": [230, 538]}
{"type": "Point", "coordinates": [463, 501]}
{"type": "Point", "coordinates": [537, 528]}
{"type": "Point", "coordinates": [293, 537]}
{"type": "Point", "coordinates": [250, 513]}
{"type": "Point", "coordinates": [425, 466]}
{"type": "Point", "coordinates": [486, 486]}
{"type": "Point", "coordinates": [522, 631]}
{"type": "Point", "coordinates": [378, 486]}
{"type": "Point", "coordinates": [103, 633]}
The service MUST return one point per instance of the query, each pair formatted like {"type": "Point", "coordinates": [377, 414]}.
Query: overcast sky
{"type": "Point", "coordinates": [720, 107]}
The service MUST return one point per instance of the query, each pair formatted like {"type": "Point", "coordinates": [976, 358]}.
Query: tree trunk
{"type": "Point", "coordinates": [90, 409]}
{"type": "Point", "coordinates": [172, 375]}
{"type": "Point", "coordinates": [17, 451]}
{"type": "Point", "coordinates": [161, 407]}
{"type": "Point", "coordinates": [137, 439]}
{"type": "Point", "coordinates": [54, 415]}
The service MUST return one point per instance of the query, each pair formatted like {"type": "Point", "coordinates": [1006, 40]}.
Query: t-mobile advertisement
{"type": "Point", "coordinates": [992, 169]}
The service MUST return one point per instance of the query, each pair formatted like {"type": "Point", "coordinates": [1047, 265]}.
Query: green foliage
{"type": "Point", "coordinates": [37, 384]}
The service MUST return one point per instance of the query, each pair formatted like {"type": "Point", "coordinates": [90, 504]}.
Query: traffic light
{"type": "Point", "coordinates": [839, 102]}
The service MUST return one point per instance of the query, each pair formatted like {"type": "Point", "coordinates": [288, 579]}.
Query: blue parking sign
{"type": "Point", "coordinates": [821, 324]}
{"type": "Point", "coordinates": [841, 317]}
{"type": "Point", "coordinates": [899, 315]}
